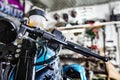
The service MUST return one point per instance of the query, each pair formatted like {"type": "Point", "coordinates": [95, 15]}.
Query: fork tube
{"type": "Point", "coordinates": [1, 72]}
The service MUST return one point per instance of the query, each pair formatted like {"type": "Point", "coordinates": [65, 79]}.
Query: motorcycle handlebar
{"type": "Point", "coordinates": [66, 44]}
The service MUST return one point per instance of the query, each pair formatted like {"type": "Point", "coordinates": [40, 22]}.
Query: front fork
{"type": "Point", "coordinates": [25, 65]}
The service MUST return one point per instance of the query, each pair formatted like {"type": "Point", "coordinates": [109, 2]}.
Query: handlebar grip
{"type": "Point", "coordinates": [84, 51]}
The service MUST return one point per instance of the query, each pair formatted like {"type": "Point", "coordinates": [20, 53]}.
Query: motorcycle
{"type": "Point", "coordinates": [36, 55]}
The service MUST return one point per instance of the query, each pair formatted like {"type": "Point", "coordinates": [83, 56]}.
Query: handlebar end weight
{"type": "Point", "coordinates": [105, 59]}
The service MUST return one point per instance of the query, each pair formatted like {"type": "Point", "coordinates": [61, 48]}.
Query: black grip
{"type": "Point", "coordinates": [84, 51]}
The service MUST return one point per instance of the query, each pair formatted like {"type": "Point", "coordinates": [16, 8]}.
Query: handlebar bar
{"type": "Point", "coordinates": [66, 44]}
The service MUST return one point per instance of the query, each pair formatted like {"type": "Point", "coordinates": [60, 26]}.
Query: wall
{"type": "Point", "coordinates": [116, 7]}
{"type": "Point", "coordinates": [101, 11]}
{"type": "Point", "coordinates": [83, 13]}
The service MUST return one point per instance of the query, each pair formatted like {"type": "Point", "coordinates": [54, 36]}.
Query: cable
{"type": "Point", "coordinates": [40, 53]}
{"type": "Point", "coordinates": [45, 51]}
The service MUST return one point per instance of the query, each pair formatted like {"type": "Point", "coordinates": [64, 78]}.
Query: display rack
{"type": "Point", "coordinates": [96, 25]}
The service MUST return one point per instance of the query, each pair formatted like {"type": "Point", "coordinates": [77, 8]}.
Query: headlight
{"type": "Point", "coordinates": [8, 31]}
